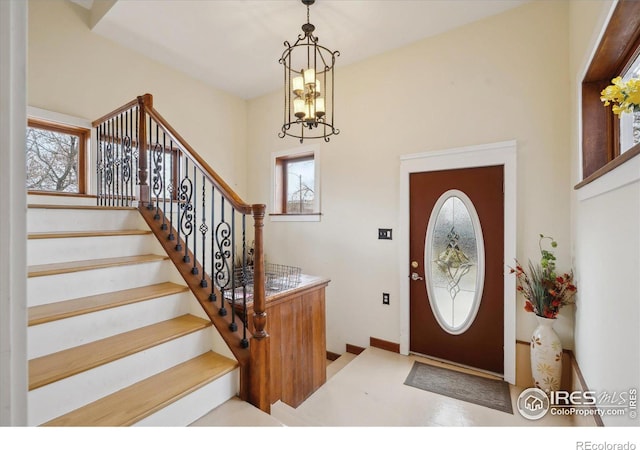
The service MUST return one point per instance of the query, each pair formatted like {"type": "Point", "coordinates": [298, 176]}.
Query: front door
{"type": "Point", "coordinates": [456, 266]}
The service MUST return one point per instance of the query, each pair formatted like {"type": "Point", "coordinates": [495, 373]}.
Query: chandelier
{"type": "Point", "coordinates": [308, 86]}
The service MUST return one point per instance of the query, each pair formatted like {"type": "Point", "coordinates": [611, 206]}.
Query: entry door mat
{"type": "Point", "coordinates": [462, 386]}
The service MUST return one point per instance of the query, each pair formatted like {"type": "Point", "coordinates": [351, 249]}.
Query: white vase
{"type": "Point", "coordinates": [546, 356]}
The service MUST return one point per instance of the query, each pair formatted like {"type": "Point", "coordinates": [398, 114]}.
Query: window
{"type": "Point", "coordinates": [55, 156]}
{"type": "Point", "coordinates": [297, 187]}
{"type": "Point", "coordinates": [296, 191]}
{"type": "Point", "coordinates": [630, 122]}
{"type": "Point", "coordinates": [608, 142]}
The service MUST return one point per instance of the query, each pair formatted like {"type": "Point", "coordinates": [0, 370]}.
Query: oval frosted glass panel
{"type": "Point", "coordinates": [454, 261]}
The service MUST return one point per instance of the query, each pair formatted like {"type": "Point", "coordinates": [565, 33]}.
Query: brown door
{"type": "Point", "coordinates": [456, 245]}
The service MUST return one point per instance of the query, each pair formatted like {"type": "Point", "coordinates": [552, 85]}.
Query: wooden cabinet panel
{"type": "Point", "coordinates": [296, 323]}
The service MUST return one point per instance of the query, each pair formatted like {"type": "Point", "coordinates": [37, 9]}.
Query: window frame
{"type": "Point", "coordinates": [83, 135]}
{"type": "Point", "coordinates": [619, 46]}
{"type": "Point", "coordinates": [279, 184]}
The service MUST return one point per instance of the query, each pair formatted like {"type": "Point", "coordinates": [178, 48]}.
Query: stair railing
{"type": "Point", "coordinates": [199, 220]}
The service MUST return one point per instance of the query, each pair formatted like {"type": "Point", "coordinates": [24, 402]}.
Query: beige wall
{"type": "Point", "coordinates": [76, 72]}
{"type": "Point", "coordinates": [606, 244]}
{"type": "Point", "coordinates": [499, 79]}
{"type": "Point", "coordinates": [513, 76]}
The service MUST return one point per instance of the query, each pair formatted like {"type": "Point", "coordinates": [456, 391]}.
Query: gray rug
{"type": "Point", "coordinates": [462, 386]}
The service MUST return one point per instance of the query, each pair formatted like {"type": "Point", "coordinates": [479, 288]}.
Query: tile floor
{"type": "Point", "coordinates": [365, 404]}
{"type": "Point", "coordinates": [369, 391]}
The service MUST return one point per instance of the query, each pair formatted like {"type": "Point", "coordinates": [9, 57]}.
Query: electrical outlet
{"type": "Point", "coordinates": [385, 298]}
{"type": "Point", "coordinates": [384, 233]}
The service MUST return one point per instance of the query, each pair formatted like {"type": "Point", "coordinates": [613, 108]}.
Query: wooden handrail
{"type": "Point", "coordinates": [148, 99]}
{"type": "Point", "coordinates": [212, 176]}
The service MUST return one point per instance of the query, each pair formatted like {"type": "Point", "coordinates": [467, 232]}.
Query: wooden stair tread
{"type": "Point", "coordinates": [41, 270]}
{"type": "Point", "coordinates": [88, 207]}
{"type": "Point", "coordinates": [56, 366]}
{"type": "Point", "coordinates": [69, 308]}
{"type": "Point", "coordinates": [133, 403]}
{"type": "Point", "coordinates": [78, 234]}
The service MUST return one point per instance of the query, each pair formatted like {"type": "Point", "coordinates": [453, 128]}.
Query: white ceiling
{"type": "Point", "coordinates": [235, 45]}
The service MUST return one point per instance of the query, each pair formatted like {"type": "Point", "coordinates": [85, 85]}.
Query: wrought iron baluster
{"type": "Point", "coordinates": [123, 159]}
{"type": "Point", "coordinates": [179, 212]}
{"type": "Point", "coordinates": [233, 326]}
{"type": "Point", "coordinates": [212, 295]}
{"type": "Point", "coordinates": [222, 255]}
{"type": "Point", "coordinates": [203, 229]}
{"type": "Point", "coordinates": [164, 181]}
{"type": "Point", "coordinates": [186, 219]}
{"type": "Point", "coordinates": [116, 161]}
{"type": "Point", "coordinates": [126, 159]}
{"type": "Point", "coordinates": [109, 164]}
{"type": "Point", "coordinates": [156, 171]}
{"type": "Point", "coordinates": [136, 153]}
{"type": "Point", "coordinates": [171, 189]}
{"type": "Point", "coordinates": [194, 269]}
{"type": "Point", "coordinates": [99, 164]}
{"type": "Point", "coordinates": [149, 160]}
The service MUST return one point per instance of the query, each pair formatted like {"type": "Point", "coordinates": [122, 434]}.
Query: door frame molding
{"type": "Point", "coordinates": [494, 154]}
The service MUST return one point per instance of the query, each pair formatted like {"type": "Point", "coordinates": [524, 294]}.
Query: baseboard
{"type": "Point", "coordinates": [580, 383]}
{"type": "Point", "coordinates": [354, 349]}
{"type": "Point", "coordinates": [374, 342]}
{"type": "Point", "coordinates": [572, 378]}
{"type": "Point", "coordinates": [332, 356]}
{"type": "Point", "coordinates": [384, 345]}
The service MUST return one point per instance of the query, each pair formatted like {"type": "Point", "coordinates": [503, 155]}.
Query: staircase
{"type": "Point", "coordinates": [115, 337]}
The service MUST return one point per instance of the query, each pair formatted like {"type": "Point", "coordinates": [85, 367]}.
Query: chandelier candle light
{"type": "Point", "coordinates": [308, 91]}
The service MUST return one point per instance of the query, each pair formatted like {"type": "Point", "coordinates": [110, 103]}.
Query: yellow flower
{"type": "Point", "coordinates": [617, 110]}
{"type": "Point", "coordinates": [633, 92]}
{"type": "Point", "coordinates": [612, 93]}
{"type": "Point", "coordinates": [624, 95]}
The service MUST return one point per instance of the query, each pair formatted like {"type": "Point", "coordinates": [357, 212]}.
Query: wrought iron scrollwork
{"type": "Point", "coordinates": [222, 267]}
{"type": "Point", "coordinates": [126, 159]}
{"type": "Point", "coordinates": [185, 195]}
{"type": "Point", "coordinates": [108, 179]}
{"type": "Point", "coordinates": [157, 180]}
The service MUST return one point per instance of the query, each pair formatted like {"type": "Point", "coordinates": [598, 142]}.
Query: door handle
{"type": "Point", "coordinates": [416, 277]}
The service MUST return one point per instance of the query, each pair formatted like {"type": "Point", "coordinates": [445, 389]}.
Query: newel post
{"type": "Point", "coordinates": [259, 386]}
{"type": "Point", "coordinates": [144, 102]}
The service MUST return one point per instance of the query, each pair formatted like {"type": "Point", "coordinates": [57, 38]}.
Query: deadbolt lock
{"type": "Point", "coordinates": [414, 264]}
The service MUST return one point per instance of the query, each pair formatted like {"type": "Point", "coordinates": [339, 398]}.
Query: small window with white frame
{"type": "Point", "coordinates": [296, 185]}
